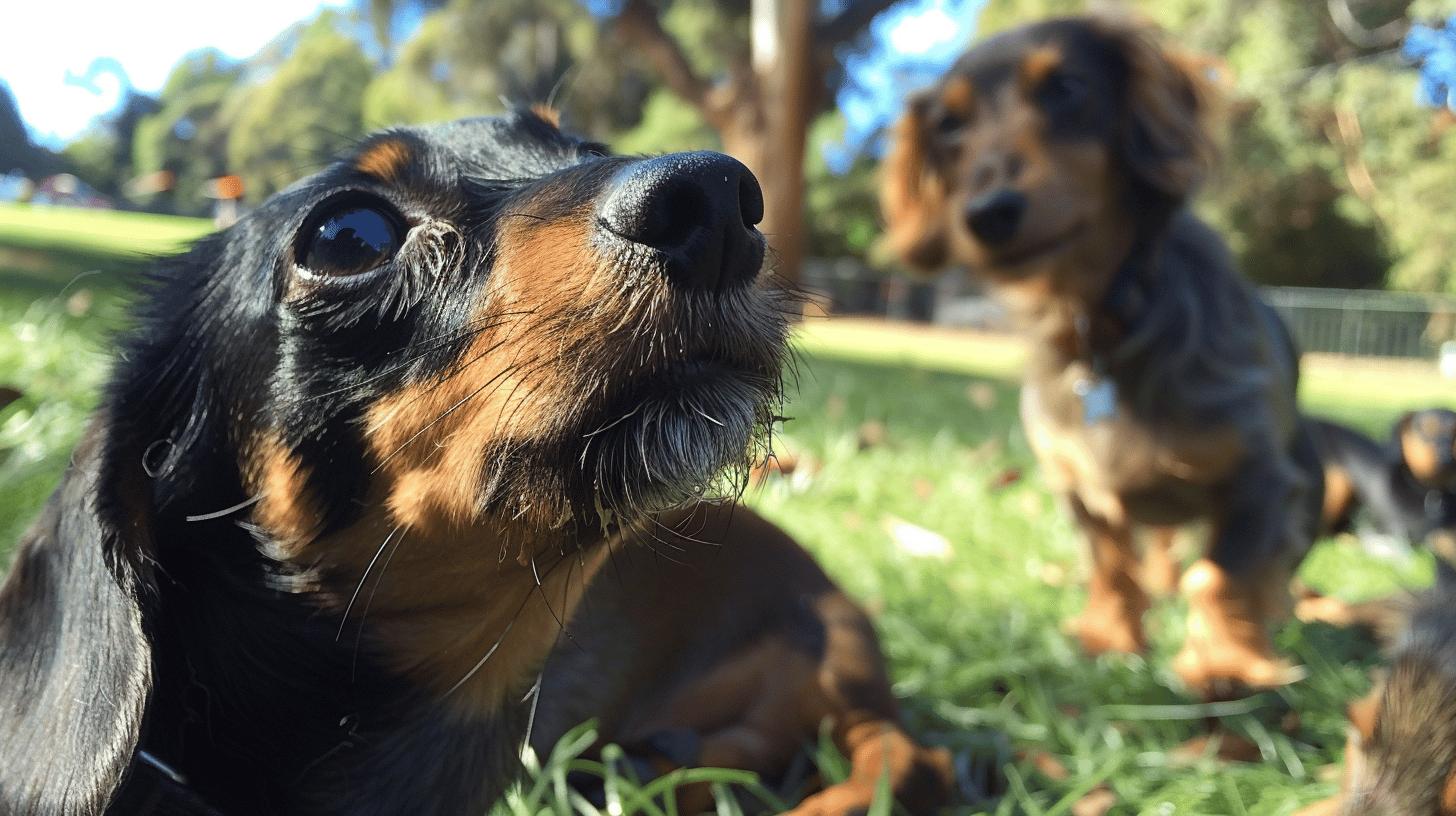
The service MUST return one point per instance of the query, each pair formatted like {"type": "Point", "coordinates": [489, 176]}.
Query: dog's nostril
{"type": "Point", "coordinates": [698, 209]}
{"type": "Point", "coordinates": [995, 217]}
{"type": "Point", "coordinates": [750, 200]}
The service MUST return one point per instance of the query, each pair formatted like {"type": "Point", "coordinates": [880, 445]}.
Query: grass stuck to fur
{"type": "Point", "coordinates": [905, 472]}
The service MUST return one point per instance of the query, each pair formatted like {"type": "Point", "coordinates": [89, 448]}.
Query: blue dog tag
{"type": "Point", "coordinates": [1099, 399]}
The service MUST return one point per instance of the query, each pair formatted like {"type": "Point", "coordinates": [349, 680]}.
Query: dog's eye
{"type": "Point", "coordinates": [948, 123]}
{"type": "Point", "coordinates": [350, 241]}
{"type": "Point", "coordinates": [1061, 92]}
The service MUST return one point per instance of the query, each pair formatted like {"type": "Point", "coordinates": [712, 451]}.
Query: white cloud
{"type": "Point", "coordinates": [46, 39]}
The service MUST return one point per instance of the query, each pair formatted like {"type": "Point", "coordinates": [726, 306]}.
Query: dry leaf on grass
{"type": "Point", "coordinates": [1223, 745]}
{"type": "Point", "coordinates": [872, 434]}
{"type": "Point", "coordinates": [915, 540]}
{"type": "Point", "coordinates": [1096, 803]}
{"type": "Point", "coordinates": [982, 395]}
{"type": "Point", "coordinates": [1047, 765]}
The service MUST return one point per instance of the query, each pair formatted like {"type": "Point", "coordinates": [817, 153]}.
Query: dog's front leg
{"type": "Point", "coordinates": [1116, 601]}
{"type": "Point", "coordinates": [1241, 585]}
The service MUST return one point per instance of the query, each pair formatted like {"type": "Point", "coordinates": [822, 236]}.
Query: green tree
{"type": "Point", "coordinates": [188, 136]}
{"type": "Point", "coordinates": [308, 109]}
{"type": "Point", "coordinates": [473, 56]}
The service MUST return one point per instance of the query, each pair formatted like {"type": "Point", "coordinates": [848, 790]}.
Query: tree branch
{"type": "Point", "coordinates": [639, 24]}
{"type": "Point", "coordinates": [849, 23]}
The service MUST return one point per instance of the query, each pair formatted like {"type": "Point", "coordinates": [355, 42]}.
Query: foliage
{"type": "Point", "coordinates": [470, 57]}
{"type": "Point", "coordinates": [842, 207]}
{"type": "Point", "coordinates": [291, 122]}
{"type": "Point", "coordinates": [188, 136]}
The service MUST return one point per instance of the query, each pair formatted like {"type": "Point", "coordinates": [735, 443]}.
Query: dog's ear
{"type": "Point", "coordinates": [912, 195]}
{"type": "Point", "coordinates": [75, 661]}
{"type": "Point", "coordinates": [1166, 135]}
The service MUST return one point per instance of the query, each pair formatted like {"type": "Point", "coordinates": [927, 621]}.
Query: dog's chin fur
{"type": "Point", "coordinates": [674, 410]}
{"type": "Point", "coordinates": [682, 441]}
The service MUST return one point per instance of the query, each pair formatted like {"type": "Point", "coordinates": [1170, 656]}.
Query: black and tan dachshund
{"type": "Point", "coordinates": [1404, 490]}
{"type": "Point", "coordinates": [358, 459]}
{"type": "Point", "coordinates": [1407, 488]}
{"type": "Point", "coordinates": [1057, 162]}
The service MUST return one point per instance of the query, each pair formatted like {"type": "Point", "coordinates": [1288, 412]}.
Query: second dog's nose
{"type": "Point", "coordinates": [995, 216]}
{"type": "Point", "coordinates": [698, 209]}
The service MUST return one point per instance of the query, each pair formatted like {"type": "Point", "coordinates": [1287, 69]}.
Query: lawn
{"type": "Point", "coordinates": [891, 427]}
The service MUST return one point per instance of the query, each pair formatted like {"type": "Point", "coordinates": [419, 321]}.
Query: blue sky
{"type": "Point", "coordinates": [48, 42]}
{"type": "Point", "coordinates": [68, 61]}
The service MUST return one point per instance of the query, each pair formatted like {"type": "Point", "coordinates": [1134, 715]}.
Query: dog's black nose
{"type": "Point", "coordinates": [995, 216]}
{"type": "Point", "coordinates": [698, 209]}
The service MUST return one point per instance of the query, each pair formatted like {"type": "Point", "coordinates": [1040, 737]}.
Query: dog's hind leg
{"type": "Point", "coordinates": [1113, 618]}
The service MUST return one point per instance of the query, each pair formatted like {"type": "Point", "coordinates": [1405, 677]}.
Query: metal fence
{"type": "Point", "coordinates": [1367, 323]}
{"type": "Point", "coordinates": [1397, 325]}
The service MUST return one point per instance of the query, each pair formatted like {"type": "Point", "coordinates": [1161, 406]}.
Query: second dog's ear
{"type": "Point", "coordinates": [1166, 135]}
{"type": "Point", "coordinates": [912, 197]}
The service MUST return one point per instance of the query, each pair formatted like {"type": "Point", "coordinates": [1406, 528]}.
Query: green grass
{"type": "Point", "coordinates": [974, 637]}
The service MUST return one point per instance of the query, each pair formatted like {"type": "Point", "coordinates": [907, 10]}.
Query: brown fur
{"type": "Point", "coordinates": [794, 652]}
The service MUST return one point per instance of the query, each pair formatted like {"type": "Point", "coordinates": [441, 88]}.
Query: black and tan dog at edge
{"type": "Point", "coordinates": [1057, 161]}
{"type": "Point", "coordinates": [358, 461]}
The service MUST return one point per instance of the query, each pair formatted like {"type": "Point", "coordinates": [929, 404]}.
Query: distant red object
{"type": "Point", "coordinates": [224, 187]}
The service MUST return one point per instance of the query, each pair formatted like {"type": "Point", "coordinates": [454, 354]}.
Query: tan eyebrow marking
{"type": "Point", "coordinates": [385, 159]}
{"type": "Point", "coordinates": [1037, 64]}
{"type": "Point", "coordinates": [959, 96]}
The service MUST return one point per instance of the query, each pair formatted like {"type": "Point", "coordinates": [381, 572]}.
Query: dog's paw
{"type": "Point", "coordinates": [847, 799]}
{"type": "Point", "coordinates": [1228, 673]}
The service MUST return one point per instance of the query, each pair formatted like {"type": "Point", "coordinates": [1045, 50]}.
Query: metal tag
{"type": "Point", "coordinates": [1099, 399]}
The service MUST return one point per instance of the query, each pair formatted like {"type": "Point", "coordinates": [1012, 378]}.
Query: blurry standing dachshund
{"type": "Point", "coordinates": [359, 458]}
{"type": "Point", "coordinates": [1057, 161]}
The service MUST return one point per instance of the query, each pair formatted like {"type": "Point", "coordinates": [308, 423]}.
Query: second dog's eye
{"type": "Point", "coordinates": [351, 241]}
{"type": "Point", "coordinates": [1061, 92]}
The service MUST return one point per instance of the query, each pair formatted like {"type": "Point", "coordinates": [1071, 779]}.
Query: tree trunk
{"type": "Point", "coordinates": [762, 109]}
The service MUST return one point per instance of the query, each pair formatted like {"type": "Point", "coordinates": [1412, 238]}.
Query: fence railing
{"type": "Point", "coordinates": [1367, 323]}
{"type": "Point", "coordinates": [1338, 321]}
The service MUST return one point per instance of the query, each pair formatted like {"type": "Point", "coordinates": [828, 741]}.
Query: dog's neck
{"type": "Point", "coordinates": [319, 688]}
{"type": "Point", "coordinates": [1073, 326]}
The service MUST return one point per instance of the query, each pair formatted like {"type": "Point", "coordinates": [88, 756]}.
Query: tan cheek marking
{"type": "Point", "coordinates": [1038, 64]}
{"type": "Point", "coordinates": [1418, 455]}
{"type": "Point", "coordinates": [385, 159]}
{"type": "Point", "coordinates": [547, 114]}
{"type": "Point", "coordinates": [286, 509]}
{"type": "Point", "coordinates": [431, 438]}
